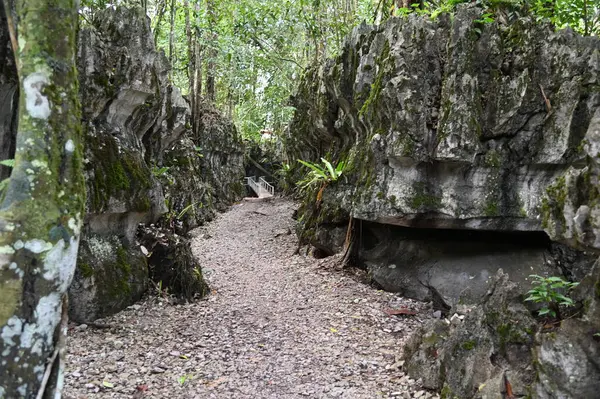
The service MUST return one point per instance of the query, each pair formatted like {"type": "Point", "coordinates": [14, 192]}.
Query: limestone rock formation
{"type": "Point", "coordinates": [567, 360]}
{"type": "Point", "coordinates": [571, 207]}
{"type": "Point", "coordinates": [499, 338]}
{"type": "Point", "coordinates": [144, 162]}
{"type": "Point", "coordinates": [445, 124]}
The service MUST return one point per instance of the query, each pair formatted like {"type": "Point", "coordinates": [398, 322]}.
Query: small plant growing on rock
{"type": "Point", "coordinates": [319, 174]}
{"type": "Point", "coordinates": [550, 291]}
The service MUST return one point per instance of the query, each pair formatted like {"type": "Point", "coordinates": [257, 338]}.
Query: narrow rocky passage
{"type": "Point", "coordinates": [276, 325]}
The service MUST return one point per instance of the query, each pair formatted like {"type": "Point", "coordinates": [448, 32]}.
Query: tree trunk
{"type": "Point", "coordinates": [43, 208]}
{"type": "Point", "coordinates": [190, 51]}
{"type": "Point", "coordinates": [212, 54]}
{"type": "Point", "coordinates": [159, 17]}
{"type": "Point", "coordinates": [172, 38]}
{"type": "Point", "coordinates": [197, 72]}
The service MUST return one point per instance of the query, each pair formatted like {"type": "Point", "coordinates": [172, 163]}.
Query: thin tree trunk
{"type": "Point", "coordinates": [212, 52]}
{"type": "Point", "coordinates": [172, 37]}
{"type": "Point", "coordinates": [159, 17]}
{"type": "Point", "coordinates": [43, 208]}
{"type": "Point", "coordinates": [586, 21]}
{"type": "Point", "coordinates": [190, 51]}
{"type": "Point", "coordinates": [197, 72]}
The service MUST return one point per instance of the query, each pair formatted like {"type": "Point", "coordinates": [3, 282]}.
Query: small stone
{"type": "Point", "coordinates": [157, 370]}
{"type": "Point", "coordinates": [81, 327]}
{"type": "Point", "coordinates": [437, 314]}
{"type": "Point", "coordinates": [117, 344]}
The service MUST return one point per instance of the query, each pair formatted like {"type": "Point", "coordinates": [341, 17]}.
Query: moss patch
{"type": "Point", "coordinates": [468, 345]}
{"type": "Point", "coordinates": [422, 199]}
{"type": "Point", "coordinates": [117, 173]}
{"type": "Point", "coordinates": [554, 203]}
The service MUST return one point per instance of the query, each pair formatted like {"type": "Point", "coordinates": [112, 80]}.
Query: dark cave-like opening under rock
{"type": "Point", "coordinates": [456, 265]}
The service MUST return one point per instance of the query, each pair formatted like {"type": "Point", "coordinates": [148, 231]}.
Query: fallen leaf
{"type": "Point", "coordinates": [107, 384]}
{"type": "Point", "coordinates": [333, 330]}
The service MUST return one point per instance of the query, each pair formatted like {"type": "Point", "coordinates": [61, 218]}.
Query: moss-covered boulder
{"type": "Point", "coordinates": [171, 263]}
{"type": "Point", "coordinates": [109, 277]}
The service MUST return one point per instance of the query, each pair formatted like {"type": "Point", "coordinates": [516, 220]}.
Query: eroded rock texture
{"type": "Point", "coordinates": [444, 122]}
{"type": "Point", "coordinates": [143, 162]}
{"type": "Point", "coordinates": [470, 358]}
{"type": "Point", "coordinates": [453, 124]}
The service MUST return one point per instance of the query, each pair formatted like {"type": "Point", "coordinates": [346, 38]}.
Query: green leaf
{"type": "Point", "coordinates": [107, 384]}
{"type": "Point", "coordinates": [330, 169]}
{"type": "Point", "coordinates": [8, 162]}
{"type": "Point", "coordinates": [544, 311]}
{"type": "Point", "coordinates": [315, 168]}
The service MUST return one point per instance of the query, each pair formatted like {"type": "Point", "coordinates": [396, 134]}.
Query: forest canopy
{"type": "Point", "coordinates": [246, 56]}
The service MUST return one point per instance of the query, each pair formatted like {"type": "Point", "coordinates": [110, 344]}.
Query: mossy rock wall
{"type": "Point", "coordinates": [144, 161]}
{"type": "Point", "coordinates": [443, 122]}
{"type": "Point", "coordinates": [571, 205]}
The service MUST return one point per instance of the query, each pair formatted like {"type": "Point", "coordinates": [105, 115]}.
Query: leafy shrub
{"type": "Point", "coordinates": [550, 291]}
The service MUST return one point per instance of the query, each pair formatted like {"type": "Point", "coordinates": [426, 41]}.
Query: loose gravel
{"type": "Point", "coordinates": [276, 325]}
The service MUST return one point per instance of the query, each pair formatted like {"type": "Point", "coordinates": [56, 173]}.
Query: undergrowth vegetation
{"type": "Point", "coordinates": [551, 293]}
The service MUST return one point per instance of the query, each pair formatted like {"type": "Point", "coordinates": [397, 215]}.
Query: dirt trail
{"type": "Point", "coordinates": [276, 326]}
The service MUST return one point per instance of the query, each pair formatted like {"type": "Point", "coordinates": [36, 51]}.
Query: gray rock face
{"type": "Point", "coordinates": [567, 360]}
{"type": "Point", "coordinates": [469, 358]}
{"type": "Point", "coordinates": [222, 157]}
{"type": "Point", "coordinates": [444, 122]}
{"type": "Point", "coordinates": [570, 209]}
{"type": "Point", "coordinates": [143, 162]}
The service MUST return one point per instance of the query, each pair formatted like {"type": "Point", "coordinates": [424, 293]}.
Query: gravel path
{"type": "Point", "coordinates": [275, 326]}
